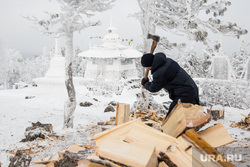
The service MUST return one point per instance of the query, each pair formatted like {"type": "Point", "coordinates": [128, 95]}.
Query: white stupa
{"type": "Point", "coordinates": [110, 64]}
{"type": "Point", "coordinates": [54, 80]}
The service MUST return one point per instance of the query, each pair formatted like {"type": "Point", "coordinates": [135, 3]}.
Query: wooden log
{"type": "Point", "coordinates": [216, 136]}
{"type": "Point", "coordinates": [185, 116]}
{"type": "Point", "coordinates": [130, 154]}
{"type": "Point", "coordinates": [191, 135]}
{"type": "Point", "coordinates": [122, 113]}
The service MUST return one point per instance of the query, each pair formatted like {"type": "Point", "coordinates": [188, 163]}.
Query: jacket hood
{"type": "Point", "coordinates": [159, 60]}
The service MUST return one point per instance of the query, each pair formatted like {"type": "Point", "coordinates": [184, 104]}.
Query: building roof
{"type": "Point", "coordinates": [111, 48]}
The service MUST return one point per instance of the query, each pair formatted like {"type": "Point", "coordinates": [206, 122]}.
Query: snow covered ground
{"type": "Point", "coordinates": [17, 113]}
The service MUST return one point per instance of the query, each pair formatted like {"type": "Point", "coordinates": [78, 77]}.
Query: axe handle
{"type": "Point", "coordinates": [145, 76]}
{"type": "Point", "coordinates": [146, 73]}
{"type": "Point", "coordinates": [154, 44]}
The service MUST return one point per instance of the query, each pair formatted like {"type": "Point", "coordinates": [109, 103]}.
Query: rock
{"type": "Point", "coordinates": [112, 103]}
{"type": "Point", "coordinates": [95, 99]}
{"type": "Point", "coordinates": [29, 97]}
{"type": "Point", "coordinates": [21, 159]}
{"type": "Point", "coordinates": [109, 109]}
{"type": "Point", "coordinates": [100, 123]}
{"type": "Point", "coordinates": [86, 104]}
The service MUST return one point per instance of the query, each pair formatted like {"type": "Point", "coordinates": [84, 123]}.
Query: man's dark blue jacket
{"type": "Point", "coordinates": [169, 75]}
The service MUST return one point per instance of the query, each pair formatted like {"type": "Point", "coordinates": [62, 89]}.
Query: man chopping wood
{"type": "Point", "coordinates": [169, 75]}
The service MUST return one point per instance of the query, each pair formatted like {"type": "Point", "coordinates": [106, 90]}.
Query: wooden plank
{"type": "Point", "coordinates": [192, 135]}
{"type": "Point", "coordinates": [147, 137]}
{"type": "Point", "coordinates": [116, 131]}
{"type": "Point", "coordinates": [175, 123]}
{"type": "Point", "coordinates": [87, 163]}
{"type": "Point", "coordinates": [175, 150]}
{"type": "Point", "coordinates": [130, 154]}
{"type": "Point", "coordinates": [216, 136]}
{"type": "Point", "coordinates": [122, 113]}
{"type": "Point", "coordinates": [121, 131]}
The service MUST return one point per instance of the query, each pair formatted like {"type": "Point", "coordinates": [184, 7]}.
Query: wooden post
{"type": "Point", "coordinates": [122, 113]}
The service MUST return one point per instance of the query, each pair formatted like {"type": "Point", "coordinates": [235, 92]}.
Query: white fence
{"type": "Point", "coordinates": [232, 93]}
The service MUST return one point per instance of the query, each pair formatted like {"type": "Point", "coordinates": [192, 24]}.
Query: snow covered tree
{"type": "Point", "coordinates": [36, 66]}
{"type": "Point", "coordinates": [192, 62]}
{"type": "Point", "coordinates": [71, 18]}
{"type": "Point", "coordinates": [10, 66]}
{"type": "Point", "coordinates": [78, 64]}
{"type": "Point", "coordinates": [207, 59]}
{"type": "Point", "coordinates": [147, 22]}
{"type": "Point", "coordinates": [183, 17]}
{"type": "Point", "coordinates": [239, 60]}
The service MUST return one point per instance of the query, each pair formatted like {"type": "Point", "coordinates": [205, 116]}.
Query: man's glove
{"type": "Point", "coordinates": [144, 81]}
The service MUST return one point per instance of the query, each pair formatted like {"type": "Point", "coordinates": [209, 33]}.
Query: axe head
{"type": "Point", "coordinates": [154, 37]}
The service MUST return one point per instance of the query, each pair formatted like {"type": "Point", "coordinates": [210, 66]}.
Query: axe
{"type": "Point", "coordinates": [155, 39]}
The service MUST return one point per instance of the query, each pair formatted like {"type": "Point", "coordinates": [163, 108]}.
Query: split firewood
{"type": "Point", "coordinates": [185, 116]}
{"type": "Point", "coordinates": [244, 123]}
{"type": "Point", "coordinates": [150, 115]}
{"type": "Point", "coordinates": [122, 113]}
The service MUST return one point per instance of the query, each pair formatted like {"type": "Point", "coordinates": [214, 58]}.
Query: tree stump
{"type": "Point", "coordinates": [216, 114]}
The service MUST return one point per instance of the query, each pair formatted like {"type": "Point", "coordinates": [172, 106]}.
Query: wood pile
{"type": "Point", "coordinates": [133, 143]}
{"type": "Point", "coordinates": [244, 123]}
{"type": "Point", "coordinates": [136, 144]}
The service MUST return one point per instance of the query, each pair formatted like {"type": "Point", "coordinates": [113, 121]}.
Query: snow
{"type": "Point", "coordinates": [17, 113]}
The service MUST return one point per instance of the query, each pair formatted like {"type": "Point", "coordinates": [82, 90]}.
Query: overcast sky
{"type": "Point", "coordinates": [18, 33]}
